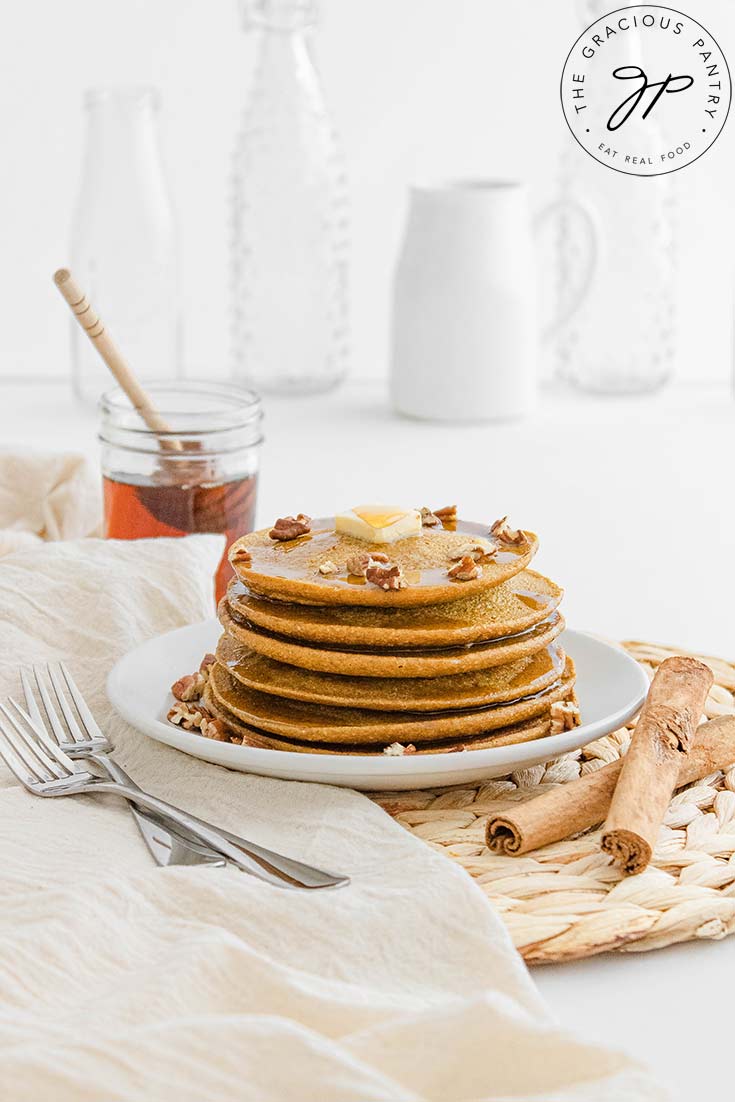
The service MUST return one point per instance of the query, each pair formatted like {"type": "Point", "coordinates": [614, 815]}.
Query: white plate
{"type": "Point", "coordinates": [611, 687]}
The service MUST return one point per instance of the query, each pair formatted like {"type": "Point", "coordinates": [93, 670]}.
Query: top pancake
{"type": "Point", "coordinates": [506, 609]}
{"type": "Point", "coordinates": [289, 570]}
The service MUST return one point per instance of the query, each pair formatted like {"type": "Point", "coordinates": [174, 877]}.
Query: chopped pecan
{"type": "Point", "coordinates": [189, 687]}
{"type": "Point", "coordinates": [503, 533]}
{"type": "Point", "coordinates": [192, 717]}
{"type": "Point", "coordinates": [358, 564]}
{"type": "Point", "coordinates": [290, 528]}
{"type": "Point", "coordinates": [328, 567]}
{"type": "Point", "coordinates": [214, 729]}
{"type": "Point", "coordinates": [431, 518]}
{"type": "Point", "coordinates": [186, 715]}
{"type": "Point", "coordinates": [565, 716]}
{"type": "Point", "coordinates": [385, 575]}
{"type": "Point", "coordinates": [478, 552]}
{"type": "Point", "coordinates": [484, 555]}
{"type": "Point", "coordinates": [397, 749]}
{"type": "Point", "coordinates": [377, 568]}
{"type": "Point", "coordinates": [241, 557]}
{"type": "Point", "coordinates": [465, 570]}
{"type": "Point", "coordinates": [192, 685]}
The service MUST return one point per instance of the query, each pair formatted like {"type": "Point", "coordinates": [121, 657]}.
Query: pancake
{"type": "Point", "coordinates": [527, 731]}
{"type": "Point", "coordinates": [289, 570]}
{"type": "Point", "coordinates": [323, 723]}
{"type": "Point", "coordinates": [506, 609]}
{"type": "Point", "coordinates": [499, 684]}
{"type": "Point", "coordinates": [397, 662]}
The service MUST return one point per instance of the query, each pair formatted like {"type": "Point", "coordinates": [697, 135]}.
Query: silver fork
{"type": "Point", "coordinates": [167, 845]}
{"type": "Point", "coordinates": [92, 744]}
{"type": "Point", "coordinates": [43, 767]}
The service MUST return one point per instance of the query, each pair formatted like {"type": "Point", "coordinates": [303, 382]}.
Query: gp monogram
{"type": "Point", "coordinates": [646, 90]}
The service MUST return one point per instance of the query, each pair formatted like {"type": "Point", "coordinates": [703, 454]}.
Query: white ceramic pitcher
{"type": "Point", "coordinates": [464, 329]}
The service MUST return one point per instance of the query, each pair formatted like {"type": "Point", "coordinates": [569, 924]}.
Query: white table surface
{"type": "Point", "coordinates": [634, 501]}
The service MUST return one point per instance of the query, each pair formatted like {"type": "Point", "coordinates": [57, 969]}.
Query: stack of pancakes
{"type": "Point", "coordinates": [315, 658]}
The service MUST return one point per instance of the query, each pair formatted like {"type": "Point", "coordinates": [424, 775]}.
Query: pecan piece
{"type": "Point", "coordinates": [241, 557]}
{"type": "Point", "coordinates": [186, 715]}
{"type": "Point", "coordinates": [397, 749]}
{"type": "Point", "coordinates": [192, 685]}
{"type": "Point", "coordinates": [465, 570]}
{"type": "Point", "coordinates": [192, 717]}
{"type": "Point", "coordinates": [214, 729]}
{"type": "Point", "coordinates": [358, 564]}
{"type": "Point", "coordinates": [385, 575]}
{"type": "Point", "coordinates": [431, 518]}
{"type": "Point", "coordinates": [290, 528]}
{"type": "Point", "coordinates": [565, 716]}
{"type": "Point", "coordinates": [502, 532]}
{"type": "Point", "coordinates": [478, 552]}
{"type": "Point", "coordinates": [328, 567]}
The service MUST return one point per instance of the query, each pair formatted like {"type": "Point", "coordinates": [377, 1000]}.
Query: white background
{"type": "Point", "coordinates": [633, 499]}
{"type": "Point", "coordinates": [418, 88]}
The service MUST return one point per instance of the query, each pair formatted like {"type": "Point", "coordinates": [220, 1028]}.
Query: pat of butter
{"type": "Point", "coordinates": [379, 523]}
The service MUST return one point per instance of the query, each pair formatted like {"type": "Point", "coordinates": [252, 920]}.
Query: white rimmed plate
{"type": "Point", "coordinates": [611, 687]}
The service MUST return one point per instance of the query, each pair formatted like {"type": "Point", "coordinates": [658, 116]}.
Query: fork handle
{"type": "Point", "coordinates": [201, 831]}
{"type": "Point", "coordinates": [306, 875]}
{"type": "Point", "coordinates": [117, 773]}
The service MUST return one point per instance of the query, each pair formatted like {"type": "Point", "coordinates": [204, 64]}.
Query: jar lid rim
{"type": "Point", "coordinates": [239, 404]}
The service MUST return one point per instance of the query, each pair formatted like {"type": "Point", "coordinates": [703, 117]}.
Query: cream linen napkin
{"type": "Point", "coordinates": [120, 981]}
{"type": "Point", "coordinates": [47, 497]}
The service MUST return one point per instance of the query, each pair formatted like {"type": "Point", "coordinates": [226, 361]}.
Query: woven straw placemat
{"type": "Point", "coordinates": [567, 901]}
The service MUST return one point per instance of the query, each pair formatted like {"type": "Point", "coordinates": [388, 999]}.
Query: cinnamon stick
{"type": "Point", "coordinates": [579, 805]}
{"type": "Point", "coordinates": [660, 744]}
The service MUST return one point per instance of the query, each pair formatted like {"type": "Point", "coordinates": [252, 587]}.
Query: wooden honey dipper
{"type": "Point", "coordinates": [92, 325]}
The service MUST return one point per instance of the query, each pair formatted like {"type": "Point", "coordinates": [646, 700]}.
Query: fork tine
{"type": "Point", "coordinates": [54, 722]}
{"type": "Point", "coordinates": [42, 735]}
{"type": "Point", "coordinates": [36, 738]}
{"type": "Point", "coordinates": [31, 703]}
{"type": "Point", "coordinates": [26, 749]}
{"type": "Point", "coordinates": [14, 762]}
{"type": "Point", "coordinates": [69, 716]}
{"type": "Point", "coordinates": [85, 715]}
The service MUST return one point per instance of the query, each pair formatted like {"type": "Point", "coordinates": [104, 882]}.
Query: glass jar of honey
{"type": "Point", "coordinates": [200, 475]}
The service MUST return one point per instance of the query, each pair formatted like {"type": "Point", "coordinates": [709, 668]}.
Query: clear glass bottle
{"type": "Point", "coordinates": [123, 246]}
{"type": "Point", "coordinates": [622, 338]}
{"type": "Point", "coordinates": [289, 227]}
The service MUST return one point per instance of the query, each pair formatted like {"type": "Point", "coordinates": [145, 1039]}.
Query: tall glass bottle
{"type": "Point", "coordinates": [123, 246]}
{"type": "Point", "coordinates": [289, 227]}
{"type": "Point", "coordinates": [622, 339]}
